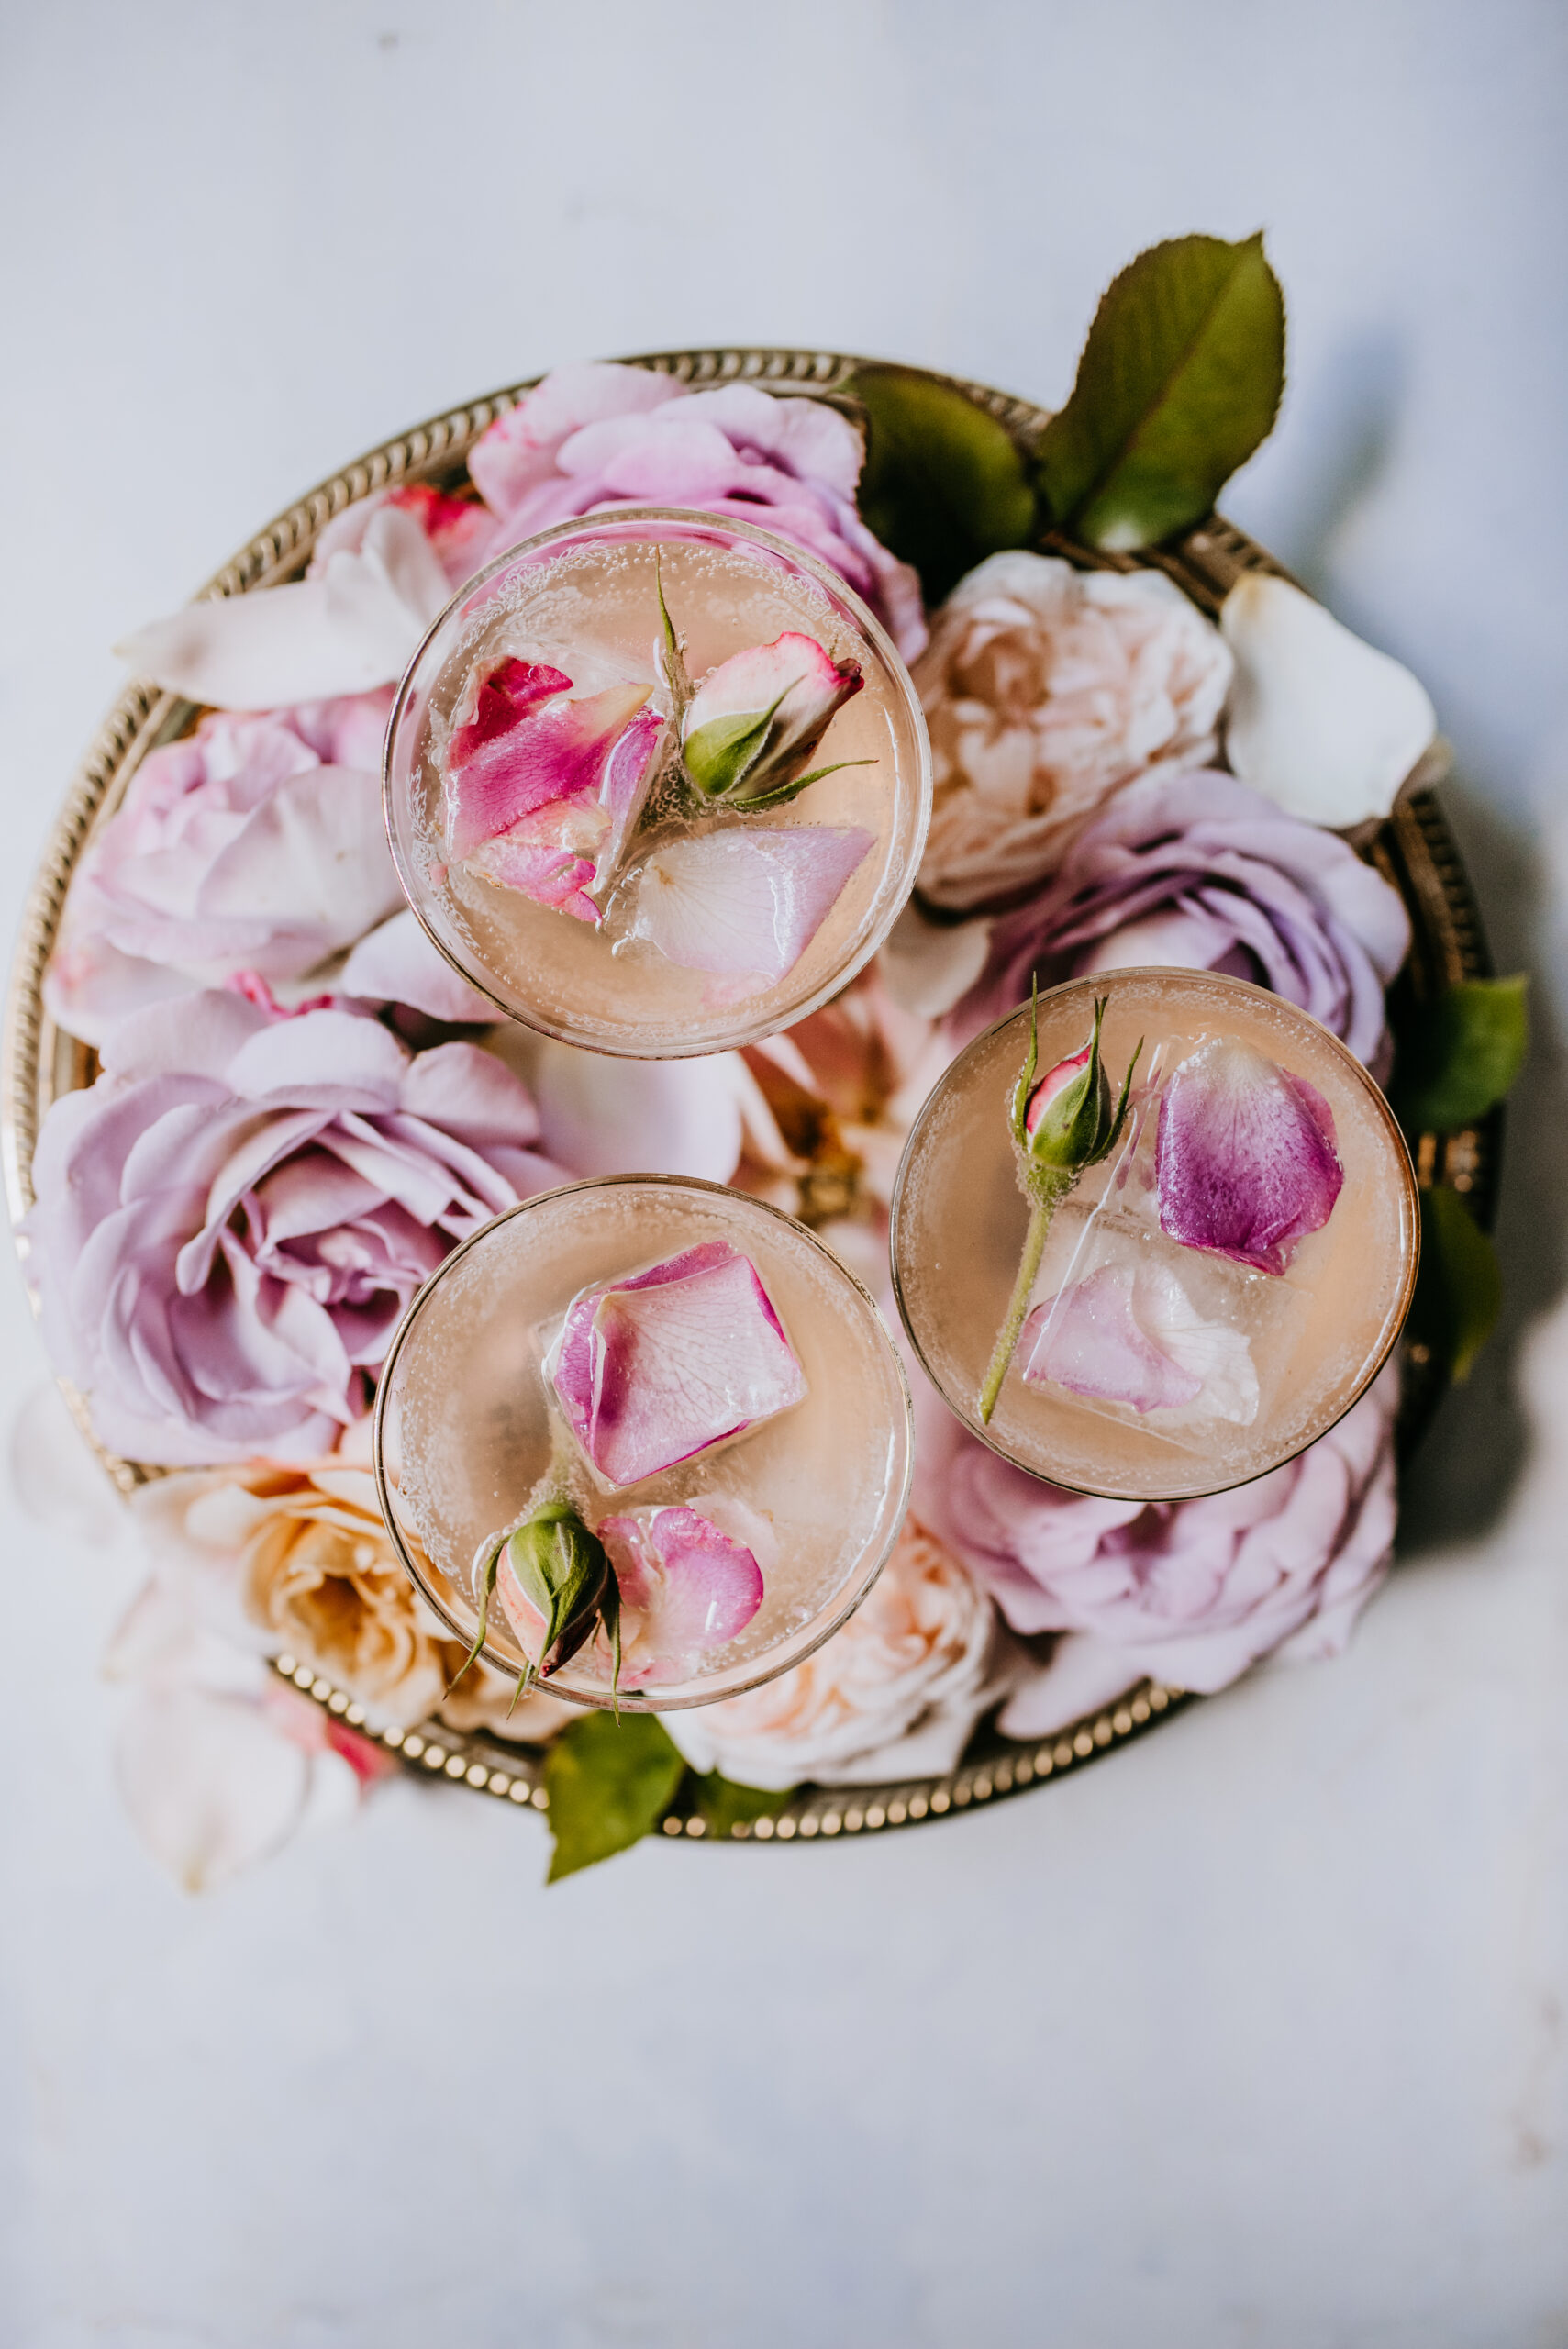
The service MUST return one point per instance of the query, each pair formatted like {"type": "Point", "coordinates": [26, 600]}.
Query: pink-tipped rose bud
{"type": "Point", "coordinates": [749, 731]}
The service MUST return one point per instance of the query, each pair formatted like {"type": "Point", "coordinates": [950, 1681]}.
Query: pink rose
{"type": "Point", "coordinates": [1190, 1593]}
{"type": "Point", "coordinates": [257, 844]}
{"type": "Point", "coordinates": [231, 1221]}
{"type": "Point", "coordinates": [1199, 872]}
{"type": "Point", "coordinates": [589, 437]}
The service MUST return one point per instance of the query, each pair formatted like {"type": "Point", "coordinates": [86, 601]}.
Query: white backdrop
{"type": "Point", "coordinates": [1252, 2035]}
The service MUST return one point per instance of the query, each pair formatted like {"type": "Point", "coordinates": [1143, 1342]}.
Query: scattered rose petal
{"type": "Point", "coordinates": [744, 900]}
{"type": "Point", "coordinates": [398, 963]}
{"type": "Point", "coordinates": [753, 725]}
{"type": "Point", "coordinates": [1127, 1334]}
{"type": "Point", "coordinates": [1245, 1158]}
{"type": "Point", "coordinates": [356, 625]}
{"type": "Point", "coordinates": [685, 1589]}
{"type": "Point", "coordinates": [654, 1369]}
{"type": "Point", "coordinates": [604, 1117]}
{"type": "Point", "coordinates": [210, 1782]}
{"type": "Point", "coordinates": [1319, 722]}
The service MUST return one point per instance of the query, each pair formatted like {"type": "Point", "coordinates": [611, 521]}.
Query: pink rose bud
{"type": "Point", "coordinates": [750, 729]}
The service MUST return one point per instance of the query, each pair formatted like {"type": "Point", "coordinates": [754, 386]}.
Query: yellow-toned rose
{"type": "Point", "coordinates": [895, 1694]}
{"type": "Point", "coordinates": [305, 1555]}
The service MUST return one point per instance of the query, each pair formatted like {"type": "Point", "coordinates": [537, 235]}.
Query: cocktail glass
{"type": "Point", "coordinates": [1276, 1357]}
{"type": "Point", "coordinates": [582, 600]}
{"type": "Point", "coordinates": [466, 1426]}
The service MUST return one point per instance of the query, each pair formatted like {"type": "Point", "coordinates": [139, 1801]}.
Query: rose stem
{"type": "Point", "coordinates": [1034, 1249]}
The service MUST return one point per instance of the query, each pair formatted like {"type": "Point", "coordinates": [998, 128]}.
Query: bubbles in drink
{"type": "Point", "coordinates": [657, 784]}
{"type": "Point", "coordinates": [1213, 1293]}
{"type": "Point", "coordinates": [578, 1352]}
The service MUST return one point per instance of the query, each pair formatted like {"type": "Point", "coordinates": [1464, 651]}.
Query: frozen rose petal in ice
{"type": "Point", "coordinates": [751, 728]}
{"type": "Point", "coordinates": [1245, 1159]}
{"type": "Point", "coordinates": [685, 1589]}
{"type": "Point", "coordinates": [1132, 1335]}
{"type": "Point", "coordinates": [738, 900]}
{"type": "Point", "coordinates": [542, 790]}
{"type": "Point", "coordinates": [652, 1370]}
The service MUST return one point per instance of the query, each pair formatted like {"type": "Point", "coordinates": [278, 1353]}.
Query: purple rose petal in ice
{"type": "Point", "coordinates": [1245, 1159]}
{"type": "Point", "coordinates": [685, 1589]}
{"type": "Point", "coordinates": [743, 900]}
{"type": "Point", "coordinates": [652, 1370]}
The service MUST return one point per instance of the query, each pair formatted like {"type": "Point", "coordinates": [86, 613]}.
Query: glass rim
{"type": "Point", "coordinates": [1408, 1184]}
{"type": "Point", "coordinates": [638, 1700]}
{"type": "Point", "coordinates": [716, 526]}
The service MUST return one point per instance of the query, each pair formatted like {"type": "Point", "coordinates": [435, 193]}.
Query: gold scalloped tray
{"type": "Point", "coordinates": [39, 1061]}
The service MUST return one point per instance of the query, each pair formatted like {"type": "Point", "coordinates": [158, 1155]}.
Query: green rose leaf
{"type": "Point", "coordinates": [1459, 1290]}
{"type": "Point", "coordinates": [1461, 1055]}
{"type": "Point", "coordinates": [609, 1782]}
{"type": "Point", "coordinates": [724, 1804]}
{"type": "Point", "coordinates": [945, 485]}
{"type": "Point", "coordinates": [1179, 382]}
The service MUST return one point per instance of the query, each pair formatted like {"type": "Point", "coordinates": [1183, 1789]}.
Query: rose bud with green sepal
{"type": "Point", "coordinates": [751, 730]}
{"type": "Point", "coordinates": [1062, 1122]}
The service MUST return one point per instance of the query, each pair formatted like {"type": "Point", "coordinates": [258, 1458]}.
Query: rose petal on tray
{"type": "Point", "coordinates": [656, 1368]}
{"type": "Point", "coordinates": [685, 1587]}
{"type": "Point", "coordinates": [1246, 1161]}
{"type": "Point", "coordinates": [738, 900]}
{"type": "Point", "coordinates": [1132, 1335]}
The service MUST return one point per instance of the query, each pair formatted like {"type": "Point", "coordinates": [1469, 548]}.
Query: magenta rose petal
{"type": "Point", "coordinates": [741, 900]}
{"type": "Point", "coordinates": [652, 1370]}
{"type": "Point", "coordinates": [1246, 1162]}
{"type": "Point", "coordinates": [685, 1589]}
{"type": "Point", "coordinates": [531, 747]}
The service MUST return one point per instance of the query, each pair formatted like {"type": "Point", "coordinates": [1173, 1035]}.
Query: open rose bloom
{"type": "Point", "coordinates": [301, 1108]}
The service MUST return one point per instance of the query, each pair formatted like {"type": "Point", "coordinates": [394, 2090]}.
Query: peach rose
{"type": "Point", "coordinates": [306, 1560]}
{"type": "Point", "coordinates": [1046, 689]}
{"type": "Point", "coordinates": [895, 1694]}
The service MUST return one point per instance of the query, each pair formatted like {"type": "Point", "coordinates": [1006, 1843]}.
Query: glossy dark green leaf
{"type": "Point", "coordinates": [723, 1803]}
{"type": "Point", "coordinates": [609, 1782]}
{"type": "Point", "coordinates": [1462, 1055]}
{"type": "Point", "coordinates": [945, 485]}
{"type": "Point", "coordinates": [1459, 1291]}
{"type": "Point", "coordinates": [1180, 380]}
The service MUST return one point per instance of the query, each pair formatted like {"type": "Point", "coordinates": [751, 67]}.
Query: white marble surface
{"type": "Point", "coordinates": [1253, 2035]}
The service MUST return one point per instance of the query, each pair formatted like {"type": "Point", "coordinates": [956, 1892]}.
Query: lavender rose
{"type": "Point", "coordinates": [231, 1221]}
{"type": "Point", "coordinates": [1200, 873]}
{"type": "Point", "coordinates": [256, 844]}
{"type": "Point", "coordinates": [592, 437]}
{"type": "Point", "coordinates": [1046, 689]}
{"type": "Point", "coordinates": [1189, 1592]}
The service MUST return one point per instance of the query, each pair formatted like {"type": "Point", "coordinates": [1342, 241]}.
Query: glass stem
{"type": "Point", "coordinates": [1041, 1213]}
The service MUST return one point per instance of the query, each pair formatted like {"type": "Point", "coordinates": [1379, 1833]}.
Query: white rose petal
{"type": "Point", "coordinates": [1319, 722]}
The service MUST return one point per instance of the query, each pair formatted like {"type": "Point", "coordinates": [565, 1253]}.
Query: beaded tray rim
{"type": "Point", "coordinates": [39, 1061]}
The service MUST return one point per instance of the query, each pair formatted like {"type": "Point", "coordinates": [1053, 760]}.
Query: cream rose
{"type": "Point", "coordinates": [305, 1558]}
{"type": "Point", "coordinates": [1046, 689]}
{"type": "Point", "coordinates": [895, 1694]}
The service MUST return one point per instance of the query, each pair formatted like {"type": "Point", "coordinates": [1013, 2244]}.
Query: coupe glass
{"type": "Point", "coordinates": [466, 1427]}
{"type": "Point", "coordinates": [582, 599]}
{"type": "Point", "coordinates": [1281, 1355]}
